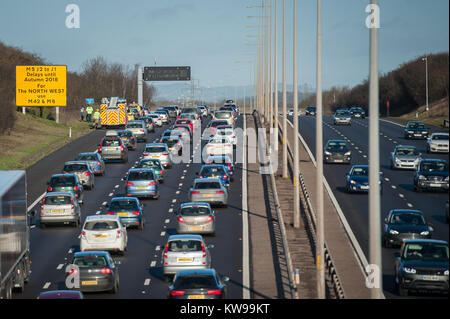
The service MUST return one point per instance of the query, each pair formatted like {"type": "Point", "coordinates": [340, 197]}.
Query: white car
{"type": "Point", "coordinates": [156, 119]}
{"type": "Point", "coordinates": [104, 232]}
{"type": "Point", "coordinates": [437, 143]}
{"type": "Point", "coordinates": [219, 146]}
{"type": "Point", "coordinates": [228, 132]}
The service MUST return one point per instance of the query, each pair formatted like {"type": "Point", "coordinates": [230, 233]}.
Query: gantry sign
{"type": "Point", "coordinates": [167, 73]}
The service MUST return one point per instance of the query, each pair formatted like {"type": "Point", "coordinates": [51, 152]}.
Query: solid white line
{"type": "Point", "coordinates": [60, 266]}
{"type": "Point", "coordinates": [47, 284]}
{"type": "Point", "coordinates": [163, 233]}
{"type": "Point", "coordinates": [36, 201]}
{"type": "Point", "coordinates": [147, 282]}
{"type": "Point", "coordinates": [153, 263]}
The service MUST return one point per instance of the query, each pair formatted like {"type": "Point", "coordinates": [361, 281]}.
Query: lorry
{"type": "Point", "coordinates": [15, 262]}
{"type": "Point", "coordinates": [113, 113]}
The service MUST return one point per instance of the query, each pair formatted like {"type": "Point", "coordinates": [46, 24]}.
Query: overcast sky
{"type": "Point", "coordinates": [215, 37]}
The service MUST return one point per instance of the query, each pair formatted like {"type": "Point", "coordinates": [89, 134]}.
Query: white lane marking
{"type": "Point", "coordinates": [386, 179]}
{"type": "Point", "coordinates": [394, 187]}
{"type": "Point", "coordinates": [117, 186]}
{"type": "Point", "coordinates": [158, 248]}
{"type": "Point", "coordinates": [104, 203]}
{"type": "Point", "coordinates": [147, 282]}
{"type": "Point", "coordinates": [97, 212]}
{"type": "Point", "coordinates": [401, 195]}
{"type": "Point", "coordinates": [47, 284]}
{"type": "Point", "coordinates": [365, 156]}
{"type": "Point", "coordinates": [181, 184]}
{"type": "Point", "coordinates": [110, 194]}
{"type": "Point", "coordinates": [182, 177]}
{"type": "Point", "coordinates": [177, 192]}
{"type": "Point", "coordinates": [167, 221]}
{"type": "Point", "coordinates": [409, 205]}
{"type": "Point", "coordinates": [70, 251]}
{"type": "Point", "coordinates": [174, 200]}
{"type": "Point", "coordinates": [153, 263]}
{"type": "Point", "coordinates": [60, 266]}
{"type": "Point", "coordinates": [171, 210]}
{"type": "Point", "coordinates": [163, 233]}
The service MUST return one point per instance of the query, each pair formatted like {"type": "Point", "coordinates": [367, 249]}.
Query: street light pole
{"type": "Point", "coordinates": [275, 111]}
{"type": "Point", "coordinates": [296, 146]}
{"type": "Point", "coordinates": [285, 158]}
{"type": "Point", "coordinates": [426, 80]}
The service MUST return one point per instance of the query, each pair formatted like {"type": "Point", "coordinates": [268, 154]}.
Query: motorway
{"type": "Point", "coordinates": [398, 189]}
{"type": "Point", "coordinates": [140, 269]}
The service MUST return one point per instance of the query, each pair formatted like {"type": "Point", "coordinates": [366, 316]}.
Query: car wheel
{"type": "Point", "coordinates": [42, 225]}
{"type": "Point", "coordinates": [402, 291]}
{"type": "Point", "coordinates": [115, 289]}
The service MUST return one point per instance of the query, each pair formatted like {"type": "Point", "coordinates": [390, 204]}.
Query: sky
{"type": "Point", "coordinates": [217, 38]}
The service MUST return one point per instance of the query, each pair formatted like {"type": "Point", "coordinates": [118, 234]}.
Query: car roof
{"type": "Point", "coordinates": [90, 253]}
{"type": "Point", "coordinates": [76, 162]}
{"type": "Point", "coordinates": [185, 236]}
{"type": "Point", "coordinates": [212, 165]}
{"type": "Point", "coordinates": [201, 180]}
{"type": "Point", "coordinates": [196, 272]}
{"type": "Point", "coordinates": [140, 169]}
{"type": "Point", "coordinates": [405, 146]}
{"type": "Point", "coordinates": [61, 293]}
{"type": "Point", "coordinates": [102, 217]}
{"type": "Point", "coordinates": [88, 153]}
{"type": "Point", "coordinates": [195, 204]}
{"type": "Point", "coordinates": [404, 210]}
{"type": "Point", "coordinates": [63, 175]}
{"type": "Point", "coordinates": [156, 144]}
{"type": "Point", "coordinates": [436, 160]}
{"type": "Point", "coordinates": [123, 198]}
{"type": "Point", "coordinates": [337, 141]}
{"type": "Point", "coordinates": [59, 194]}
{"type": "Point", "coordinates": [434, 241]}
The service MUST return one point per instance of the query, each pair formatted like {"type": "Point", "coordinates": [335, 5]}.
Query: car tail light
{"type": "Point", "coordinates": [195, 192]}
{"type": "Point", "coordinates": [152, 183]}
{"type": "Point", "coordinates": [160, 171]}
{"type": "Point", "coordinates": [110, 213]}
{"type": "Point", "coordinates": [49, 189]}
{"type": "Point", "coordinates": [99, 150]}
{"type": "Point", "coordinates": [76, 188]}
{"type": "Point", "coordinates": [214, 292]}
{"type": "Point", "coordinates": [180, 219]}
{"type": "Point", "coordinates": [129, 184]}
{"type": "Point", "coordinates": [136, 212]}
{"type": "Point", "coordinates": [83, 233]}
{"type": "Point", "coordinates": [87, 173]}
{"type": "Point", "coordinates": [177, 293]}
{"type": "Point", "coordinates": [118, 234]}
{"type": "Point", "coordinates": [166, 250]}
{"type": "Point", "coordinates": [165, 154]}
{"type": "Point", "coordinates": [201, 176]}
{"type": "Point", "coordinates": [145, 154]}
{"type": "Point", "coordinates": [210, 219]}
{"type": "Point", "coordinates": [220, 192]}
{"type": "Point", "coordinates": [72, 271]}
{"type": "Point", "coordinates": [123, 148]}
{"type": "Point", "coordinates": [99, 164]}
{"type": "Point", "coordinates": [106, 270]}
{"type": "Point", "coordinates": [225, 177]}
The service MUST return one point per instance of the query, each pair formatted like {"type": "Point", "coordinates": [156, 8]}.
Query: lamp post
{"type": "Point", "coordinates": [426, 80]}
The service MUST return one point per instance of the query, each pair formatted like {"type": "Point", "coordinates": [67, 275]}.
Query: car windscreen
{"type": "Point", "coordinates": [406, 151]}
{"type": "Point", "coordinates": [195, 282]}
{"type": "Point", "coordinates": [342, 113]}
{"type": "Point", "coordinates": [337, 146]}
{"type": "Point", "coordinates": [101, 225]}
{"type": "Point", "coordinates": [433, 167]}
{"type": "Point", "coordinates": [57, 200]}
{"type": "Point", "coordinates": [426, 252]}
{"type": "Point", "coordinates": [75, 168]}
{"type": "Point", "coordinates": [62, 181]}
{"type": "Point", "coordinates": [440, 137]}
{"type": "Point", "coordinates": [195, 211]}
{"type": "Point", "coordinates": [123, 205]}
{"type": "Point", "coordinates": [360, 171]}
{"type": "Point", "coordinates": [184, 245]}
{"type": "Point", "coordinates": [141, 176]}
{"type": "Point", "coordinates": [155, 149]}
{"type": "Point", "coordinates": [86, 158]}
{"type": "Point", "coordinates": [90, 261]}
{"type": "Point", "coordinates": [149, 164]}
{"type": "Point", "coordinates": [416, 126]}
{"type": "Point", "coordinates": [219, 141]}
{"type": "Point", "coordinates": [223, 115]}
{"type": "Point", "coordinates": [407, 219]}
{"type": "Point", "coordinates": [111, 141]}
{"type": "Point", "coordinates": [207, 185]}
{"type": "Point", "coordinates": [217, 170]}
{"type": "Point", "coordinates": [170, 142]}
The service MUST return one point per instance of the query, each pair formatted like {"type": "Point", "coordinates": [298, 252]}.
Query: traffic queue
{"type": "Point", "coordinates": [186, 258]}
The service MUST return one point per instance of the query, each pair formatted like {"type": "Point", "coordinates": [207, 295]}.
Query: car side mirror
{"type": "Point", "coordinates": [385, 220]}
{"type": "Point", "coordinates": [225, 279]}
{"type": "Point", "coordinates": [431, 227]}
{"type": "Point", "coordinates": [210, 246]}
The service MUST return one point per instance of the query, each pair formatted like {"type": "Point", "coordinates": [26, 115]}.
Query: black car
{"type": "Point", "coordinates": [358, 112]}
{"type": "Point", "coordinates": [198, 284]}
{"type": "Point", "coordinates": [93, 271]}
{"type": "Point", "coordinates": [431, 174]}
{"type": "Point", "coordinates": [422, 265]}
{"type": "Point", "coordinates": [310, 110]}
{"type": "Point", "coordinates": [337, 151]}
{"type": "Point", "coordinates": [402, 224]}
{"type": "Point", "coordinates": [416, 130]}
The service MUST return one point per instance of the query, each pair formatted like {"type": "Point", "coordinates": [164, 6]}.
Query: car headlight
{"type": "Point", "coordinates": [409, 270]}
{"type": "Point", "coordinates": [425, 233]}
{"type": "Point", "coordinates": [352, 181]}
{"type": "Point", "coordinates": [327, 153]}
{"type": "Point", "coordinates": [393, 232]}
{"type": "Point", "coordinates": [411, 132]}
{"type": "Point", "coordinates": [348, 154]}
{"type": "Point", "coordinates": [424, 132]}
{"type": "Point", "coordinates": [446, 179]}
{"type": "Point", "coordinates": [397, 160]}
{"type": "Point", "coordinates": [421, 177]}
{"type": "Point", "coordinates": [446, 273]}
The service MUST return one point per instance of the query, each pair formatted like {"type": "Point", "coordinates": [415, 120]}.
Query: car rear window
{"type": "Point", "coordinates": [219, 170]}
{"type": "Point", "coordinates": [62, 181]}
{"type": "Point", "coordinates": [101, 225]}
{"type": "Point", "coordinates": [184, 245]}
{"type": "Point", "coordinates": [141, 176]}
{"type": "Point", "coordinates": [195, 282]}
{"type": "Point", "coordinates": [123, 205]}
{"type": "Point", "coordinates": [111, 141]}
{"type": "Point", "coordinates": [170, 142]}
{"type": "Point", "coordinates": [207, 185]}
{"type": "Point", "coordinates": [75, 168]}
{"type": "Point", "coordinates": [149, 164]}
{"type": "Point", "coordinates": [135, 125]}
{"type": "Point", "coordinates": [90, 261]}
{"type": "Point", "coordinates": [223, 115]}
{"type": "Point", "coordinates": [57, 200]}
{"type": "Point", "coordinates": [155, 149]}
{"type": "Point", "coordinates": [126, 134]}
{"type": "Point", "coordinates": [195, 211]}
{"type": "Point", "coordinates": [87, 158]}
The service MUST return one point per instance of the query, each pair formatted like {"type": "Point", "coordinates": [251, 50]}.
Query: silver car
{"type": "Point", "coordinates": [209, 190]}
{"type": "Point", "coordinates": [83, 170]}
{"type": "Point", "coordinates": [158, 151]}
{"type": "Point", "coordinates": [196, 218]}
{"type": "Point", "coordinates": [139, 129]}
{"type": "Point", "coordinates": [438, 143]}
{"type": "Point", "coordinates": [184, 252]}
{"type": "Point", "coordinates": [113, 148]}
{"type": "Point", "coordinates": [405, 157]}
{"type": "Point", "coordinates": [342, 117]}
{"type": "Point", "coordinates": [156, 119]}
{"type": "Point", "coordinates": [60, 207]}
{"type": "Point", "coordinates": [95, 160]}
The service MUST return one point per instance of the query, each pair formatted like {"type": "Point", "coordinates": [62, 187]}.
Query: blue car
{"type": "Point", "coordinates": [95, 160]}
{"type": "Point", "coordinates": [129, 210]}
{"type": "Point", "coordinates": [225, 160]}
{"type": "Point", "coordinates": [142, 182]}
{"type": "Point", "coordinates": [216, 171]}
{"type": "Point", "coordinates": [357, 179]}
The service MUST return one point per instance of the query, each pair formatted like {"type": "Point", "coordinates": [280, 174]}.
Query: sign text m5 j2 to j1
{"type": "Point", "coordinates": [41, 85]}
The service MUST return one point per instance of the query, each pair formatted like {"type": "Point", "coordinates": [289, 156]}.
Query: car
{"type": "Point", "coordinates": [129, 210]}
{"type": "Point", "coordinates": [230, 108]}
{"type": "Point", "coordinates": [158, 151]}
{"type": "Point", "coordinates": [95, 270]}
{"type": "Point", "coordinates": [154, 164]}
{"type": "Point", "coordinates": [402, 224]}
{"type": "Point", "coordinates": [210, 190]}
{"type": "Point", "coordinates": [357, 179]}
{"type": "Point", "coordinates": [185, 131]}
{"type": "Point", "coordinates": [150, 125]}
{"type": "Point", "coordinates": [422, 264]}
{"type": "Point", "coordinates": [195, 218]}
{"type": "Point", "coordinates": [139, 129]}
{"type": "Point", "coordinates": [173, 111]}
{"type": "Point", "coordinates": [185, 252]}
{"type": "Point", "coordinates": [174, 133]}
{"type": "Point", "coordinates": [129, 139]}
{"type": "Point", "coordinates": [215, 171]}
{"type": "Point", "coordinates": [174, 144]}
{"type": "Point", "coordinates": [311, 110]}
{"type": "Point", "coordinates": [405, 157]}
{"type": "Point", "coordinates": [113, 148]}
{"type": "Point", "coordinates": [357, 112]}
{"type": "Point", "coordinates": [188, 122]}
{"type": "Point", "coordinates": [431, 174]}
{"type": "Point", "coordinates": [156, 119]}
{"type": "Point", "coordinates": [203, 109]}
{"type": "Point", "coordinates": [220, 145]}
{"type": "Point", "coordinates": [212, 127]}
{"type": "Point", "coordinates": [342, 117]}
{"type": "Point", "coordinates": [446, 210]}
{"type": "Point", "coordinates": [61, 294]}
{"type": "Point", "coordinates": [95, 160]}
{"type": "Point", "coordinates": [60, 207]}
{"type": "Point", "coordinates": [227, 131]}
{"type": "Point", "coordinates": [437, 143]}
{"type": "Point", "coordinates": [104, 232]}
{"type": "Point", "coordinates": [163, 114]}
{"type": "Point", "coordinates": [83, 170]}
{"type": "Point", "coordinates": [337, 151]}
{"type": "Point", "coordinates": [66, 183]}
{"type": "Point", "coordinates": [416, 130]}
{"type": "Point", "coordinates": [142, 182]}
{"type": "Point", "coordinates": [224, 160]}
{"type": "Point", "coordinates": [198, 284]}
{"type": "Point", "coordinates": [291, 112]}
{"type": "Point", "coordinates": [224, 116]}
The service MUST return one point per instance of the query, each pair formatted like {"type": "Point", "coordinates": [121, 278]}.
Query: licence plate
{"type": "Point", "coordinates": [155, 156]}
{"type": "Point", "coordinates": [141, 187]}
{"type": "Point", "coordinates": [338, 161]}
{"type": "Point", "coordinates": [417, 134]}
{"type": "Point", "coordinates": [57, 210]}
{"type": "Point", "coordinates": [364, 187]}
{"type": "Point", "coordinates": [196, 297]}
{"type": "Point", "coordinates": [431, 278]}
{"type": "Point", "coordinates": [123, 214]}
{"type": "Point", "coordinates": [89, 282]}
{"type": "Point", "coordinates": [435, 185]}
{"type": "Point", "coordinates": [208, 195]}
{"type": "Point", "coordinates": [101, 236]}
{"type": "Point", "coordinates": [184, 259]}
{"type": "Point", "coordinates": [196, 228]}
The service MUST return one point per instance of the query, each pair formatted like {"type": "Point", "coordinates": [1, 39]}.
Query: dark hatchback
{"type": "Point", "coordinates": [422, 265]}
{"type": "Point", "coordinates": [311, 110]}
{"type": "Point", "coordinates": [416, 130]}
{"type": "Point", "coordinates": [337, 151]}
{"type": "Point", "coordinates": [357, 112]}
{"type": "Point", "coordinates": [129, 210]}
{"type": "Point", "coordinates": [95, 270]}
{"type": "Point", "coordinates": [431, 174]}
{"type": "Point", "coordinates": [357, 180]}
{"type": "Point", "coordinates": [403, 224]}
{"type": "Point", "coordinates": [198, 284]}
{"type": "Point", "coordinates": [66, 183]}
{"type": "Point", "coordinates": [61, 294]}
